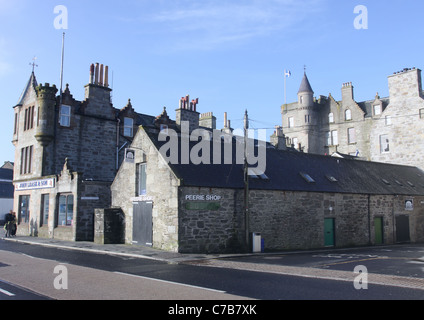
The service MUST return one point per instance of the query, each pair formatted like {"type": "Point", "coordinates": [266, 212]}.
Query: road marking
{"type": "Point", "coordinates": [7, 293]}
{"type": "Point", "coordinates": [170, 282]}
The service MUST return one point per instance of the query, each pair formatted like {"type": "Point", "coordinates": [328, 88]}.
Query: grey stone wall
{"type": "Point", "coordinates": [404, 129]}
{"type": "Point", "coordinates": [162, 188]}
{"type": "Point", "coordinates": [203, 230]}
{"type": "Point", "coordinates": [293, 220]}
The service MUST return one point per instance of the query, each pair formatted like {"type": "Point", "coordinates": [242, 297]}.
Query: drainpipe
{"type": "Point", "coordinates": [369, 220]}
{"type": "Point", "coordinates": [118, 127]}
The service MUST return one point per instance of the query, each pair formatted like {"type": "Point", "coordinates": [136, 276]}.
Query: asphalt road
{"type": "Point", "coordinates": [103, 277]}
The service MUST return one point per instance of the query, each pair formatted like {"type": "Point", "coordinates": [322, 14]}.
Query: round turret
{"type": "Point", "coordinates": [46, 98]}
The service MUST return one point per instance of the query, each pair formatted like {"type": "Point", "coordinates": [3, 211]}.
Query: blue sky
{"type": "Point", "coordinates": [230, 54]}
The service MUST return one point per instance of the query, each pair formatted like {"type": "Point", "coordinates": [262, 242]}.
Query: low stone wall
{"type": "Point", "coordinates": [109, 226]}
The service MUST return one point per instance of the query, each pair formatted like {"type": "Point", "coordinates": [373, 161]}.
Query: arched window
{"type": "Point", "coordinates": [348, 115]}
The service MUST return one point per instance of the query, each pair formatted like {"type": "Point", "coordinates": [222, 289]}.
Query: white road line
{"type": "Point", "coordinates": [169, 282]}
{"type": "Point", "coordinates": [7, 293]}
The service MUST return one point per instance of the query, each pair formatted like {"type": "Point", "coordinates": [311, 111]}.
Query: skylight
{"type": "Point", "coordinates": [399, 183]}
{"type": "Point", "coordinates": [331, 178]}
{"type": "Point", "coordinates": [386, 181]}
{"type": "Point", "coordinates": [307, 177]}
{"type": "Point", "coordinates": [254, 173]}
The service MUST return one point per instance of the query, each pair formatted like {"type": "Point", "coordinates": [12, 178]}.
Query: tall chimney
{"type": "Point", "coordinates": [101, 75]}
{"type": "Point", "coordinates": [92, 73]}
{"type": "Point", "coordinates": [225, 120]}
{"type": "Point", "coordinates": [96, 74]}
{"type": "Point", "coordinates": [106, 84]}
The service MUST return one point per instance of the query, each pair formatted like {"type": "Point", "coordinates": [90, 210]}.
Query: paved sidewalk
{"type": "Point", "coordinates": [117, 249]}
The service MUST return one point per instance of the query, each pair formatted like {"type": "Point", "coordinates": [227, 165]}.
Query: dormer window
{"type": "Point", "coordinates": [128, 127]}
{"type": "Point", "coordinates": [377, 109]}
{"type": "Point", "coordinates": [65, 116]}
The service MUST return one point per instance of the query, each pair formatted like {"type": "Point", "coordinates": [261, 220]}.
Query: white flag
{"type": "Point", "coordinates": [287, 73]}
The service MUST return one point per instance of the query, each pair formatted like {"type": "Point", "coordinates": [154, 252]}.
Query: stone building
{"type": "Point", "coordinates": [380, 129]}
{"type": "Point", "coordinates": [302, 201]}
{"type": "Point", "coordinates": [87, 171]}
{"type": "Point", "coordinates": [67, 153]}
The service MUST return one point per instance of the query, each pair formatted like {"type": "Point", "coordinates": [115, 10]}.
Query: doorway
{"type": "Point", "coordinates": [378, 230]}
{"type": "Point", "coordinates": [329, 234]}
{"type": "Point", "coordinates": [402, 229]}
{"type": "Point", "coordinates": [143, 223]}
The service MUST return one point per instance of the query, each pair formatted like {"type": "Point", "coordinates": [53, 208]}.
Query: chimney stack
{"type": "Point", "coordinates": [101, 75]}
{"type": "Point", "coordinates": [347, 92]}
{"type": "Point", "coordinates": [227, 124]}
{"type": "Point", "coordinates": [278, 139]}
{"type": "Point", "coordinates": [92, 74]}
{"type": "Point", "coordinates": [98, 91]}
{"type": "Point", "coordinates": [96, 74]}
{"type": "Point", "coordinates": [207, 120]}
{"type": "Point", "coordinates": [106, 84]}
{"type": "Point", "coordinates": [187, 112]}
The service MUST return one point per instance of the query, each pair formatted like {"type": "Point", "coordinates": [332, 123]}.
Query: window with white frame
{"type": "Point", "coordinates": [291, 122]}
{"type": "Point", "coordinates": [351, 135]}
{"type": "Point", "coordinates": [377, 109]}
{"type": "Point", "coordinates": [384, 143]}
{"type": "Point", "coordinates": [348, 115]}
{"type": "Point", "coordinates": [141, 179]}
{"type": "Point", "coordinates": [331, 118]}
{"type": "Point", "coordinates": [128, 127]}
{"type": "Point", "coordinates": [65, 116]}
{"type": "Point", "coordinates": [334, 138]}
{"type": "Point", "coordinates": [388, 120]}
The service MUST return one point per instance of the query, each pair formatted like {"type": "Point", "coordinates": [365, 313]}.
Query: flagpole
{"type": "Point", "coordinates": [285, 88]}
{"type": "Point", "coordinates": [61, 68]}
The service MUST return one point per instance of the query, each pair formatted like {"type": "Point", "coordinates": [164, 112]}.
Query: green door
{"type": "Point", "coordinates": [378, 227]}
{"type": "Point", "coordinates": [329, 232]}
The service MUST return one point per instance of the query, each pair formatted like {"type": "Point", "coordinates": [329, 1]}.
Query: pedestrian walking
{"type": "Point", "coordinates": [8, 224]}
{"type": "Point", "coordinates": [14, 225]}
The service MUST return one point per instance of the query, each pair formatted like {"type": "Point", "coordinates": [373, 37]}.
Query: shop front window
{"type": "Point", "coordinates": [24, 209]}
{"type": "Point", "coordinates": [66, 210]}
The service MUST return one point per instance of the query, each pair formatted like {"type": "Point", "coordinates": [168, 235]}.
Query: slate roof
{"type": "Point", "coordinates": [366, 106]}
{"type": "Point", "coordinates": [305, 86]}
{"type": "Point", "coordinates": [6, 184]}
{"type": "Point", "coordinates": [284, 172]}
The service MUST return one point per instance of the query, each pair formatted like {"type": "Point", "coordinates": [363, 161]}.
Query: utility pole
{"type": "Point", "coordinates": [246, 181]}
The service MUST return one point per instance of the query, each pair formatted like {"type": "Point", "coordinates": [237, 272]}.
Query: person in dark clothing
{"type": "Point", "coordinates": [11, 224]}
{"type": "Point", "coordinates": [14, 225]}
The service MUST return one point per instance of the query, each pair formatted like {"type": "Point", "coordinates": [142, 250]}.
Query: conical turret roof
{"type": "Point", "coordinates": [305, 86]}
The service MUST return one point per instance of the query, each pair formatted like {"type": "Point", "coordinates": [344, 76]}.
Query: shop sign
{"type": "Point", "coordinates": [205, 202]}
{"type": "Point", "coordinates": [203, 197]}
{"type": "Point", "coordinates": [142, 199]}
{"type": "Point", "coordinates": [36, 184]}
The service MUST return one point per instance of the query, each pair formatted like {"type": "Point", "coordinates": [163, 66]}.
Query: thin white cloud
{"type": "Point", "coordinates": [210, 23]}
